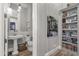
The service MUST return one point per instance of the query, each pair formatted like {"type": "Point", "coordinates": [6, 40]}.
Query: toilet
{"type": "Point", "coordinates": [29, 43]}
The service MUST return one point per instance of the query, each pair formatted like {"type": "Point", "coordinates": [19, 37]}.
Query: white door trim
{"type": "Point", "coordinates": [34, 28]}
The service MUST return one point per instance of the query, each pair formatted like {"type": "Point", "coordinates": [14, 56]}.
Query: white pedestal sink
{"type": "Point", "coordinates": [15, 47]}
{"type": "Point", "coordinates": [15, 37]}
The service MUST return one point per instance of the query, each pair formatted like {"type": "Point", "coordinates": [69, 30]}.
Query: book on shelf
{"type": "Point", "coordinates": [70, 47]}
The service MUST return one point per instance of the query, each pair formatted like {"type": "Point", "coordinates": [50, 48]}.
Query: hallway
{"type": "Point", "coordinates": [39, 29]}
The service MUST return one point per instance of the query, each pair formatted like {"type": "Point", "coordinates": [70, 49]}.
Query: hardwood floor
{"type": "Point", "coordinates": [25, 53]}
{"type": "Point", "coordinates": [62, 52]}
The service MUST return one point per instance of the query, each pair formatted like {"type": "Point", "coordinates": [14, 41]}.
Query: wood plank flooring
{"type": "Point", "coordinates": [25, 53]}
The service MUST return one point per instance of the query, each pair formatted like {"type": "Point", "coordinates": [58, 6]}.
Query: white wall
{"type": "Point", "coordinates": [43, 10]}
{"type": "Point", "coordinates": [34, 27]}
{"type": "Point", "coordinates": [26, 19]}
{"type": "Point", "coordinates": [53, 10]}
{"type": "Point", "coordinates": [23, 18]}
{"type": "Point", "coordinates": [41, 29]}
{"type": "Point", "coordinates": [1, 29]}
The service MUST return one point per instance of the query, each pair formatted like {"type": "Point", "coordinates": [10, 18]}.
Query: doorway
{"type": "Point", "coordinates": [18, 29]}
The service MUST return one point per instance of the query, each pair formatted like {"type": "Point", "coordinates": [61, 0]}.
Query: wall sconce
{"type": "Point", "coordinates": [19, 7]}
{"type": "Point", "coordinates": [9, 10]}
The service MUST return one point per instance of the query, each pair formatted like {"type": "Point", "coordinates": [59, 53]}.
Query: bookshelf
{"type": "Point", "coordinates": [70, 29]}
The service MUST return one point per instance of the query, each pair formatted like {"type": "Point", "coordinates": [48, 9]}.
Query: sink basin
{"type": "Point", "coordinates": [16, 37]}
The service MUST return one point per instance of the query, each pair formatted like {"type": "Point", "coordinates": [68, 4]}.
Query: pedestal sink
{"type": "Point", "coordinates": [15, 46]}
{"type": "Point", "coordinates": [15, 37]}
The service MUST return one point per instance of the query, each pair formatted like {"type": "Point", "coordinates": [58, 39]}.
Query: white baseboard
{"type": "Point", "coordinates": [52, 51]}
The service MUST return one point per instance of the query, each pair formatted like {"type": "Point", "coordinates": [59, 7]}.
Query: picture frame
{"type": "Point", "coordinates": [52, 26]}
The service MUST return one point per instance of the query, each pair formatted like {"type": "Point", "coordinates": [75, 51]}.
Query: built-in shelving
{"type": "Point", "coordinates": [70, 28]}
{"type": "Point", "coordinates": [70, 52]}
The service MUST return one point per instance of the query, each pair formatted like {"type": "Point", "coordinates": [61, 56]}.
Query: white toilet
{"type": "Point", "coordinates": [29, 45]}
{"type": "Point", "coordinates": [29, 42]}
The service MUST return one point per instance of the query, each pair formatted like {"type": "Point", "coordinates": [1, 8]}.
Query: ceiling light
{"type": "Point", "coordinates": [19, 7]}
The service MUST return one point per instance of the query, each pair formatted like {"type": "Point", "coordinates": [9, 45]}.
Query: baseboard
{"type": "Point", "coordinates": [52, 51]}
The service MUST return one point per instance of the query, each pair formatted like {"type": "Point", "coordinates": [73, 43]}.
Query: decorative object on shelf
{"type": "Point", "coordinates": [64, 14]}
{"type": "Point", "coordinates": [52, 26]}
{"type": "Point", "coordinates": [68, 5]}
{"type": "Point", "coordinates": [70, 47]}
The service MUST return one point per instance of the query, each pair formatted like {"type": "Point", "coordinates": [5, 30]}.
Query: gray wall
{"type": "Point", "coordinates": [53, 10]}
{"type": "Point", "coordinates": [26, 19]}
{"type": "Point", "coordinates": [43, 10]}
{"type": "Point", "coordinates": [1, 29]}
{"type": "Point", "coordinates": [42, 29]}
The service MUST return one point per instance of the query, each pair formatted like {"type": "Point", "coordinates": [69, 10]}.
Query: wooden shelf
{"type": "Point", "coordinates": [69, 43]}
{"type": "Point", "coordinates": [69, 8]}
{"type": "Point", "coordinates": [70, 37]}
{"type": "Point", "coordinates": [71, 22]}
{"type": "Point", "coordinates": [69, 29]}
{"type": "Point", "coordinates": [69, 16]}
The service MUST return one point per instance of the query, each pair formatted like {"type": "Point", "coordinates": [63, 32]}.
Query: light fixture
{"type": "Point", "coordinates": [9, 10]}
{"type": "Point", "coordinates": [19, 7]}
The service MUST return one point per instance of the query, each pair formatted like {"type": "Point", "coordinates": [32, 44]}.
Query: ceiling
{"type": "Point", "coordinates": [23, 5]}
